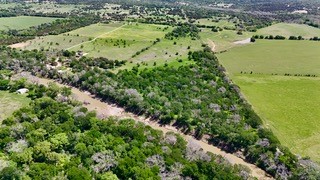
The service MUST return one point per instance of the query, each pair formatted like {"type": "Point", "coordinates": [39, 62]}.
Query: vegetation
{"type": "Point", "coordinates": [271, 78]}
{"type": "Point", "coordinates": [10, 102]}
{"type": "Point", "coordinates": [215, 109]}
{"type": "Point", "coordinates": [56, 27]}
{"type": "Point", "coordinates": [53, 137]}
{"type": "Point", "coordinates": [147, 57]}
{"type": "Point", "coordinates": [294, 57]}
{"type": "Point", "coordinates": [23, 22]}
{"type": "Point", "coordinates": [185, 30]}
{"type": "Point", "coordinates": [287, 30]}
{"type": "Point", "coordinates": [284, 103]}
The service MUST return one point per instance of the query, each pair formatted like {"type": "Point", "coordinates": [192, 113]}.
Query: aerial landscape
{"type": "Point", "coordinates": [159, 89]}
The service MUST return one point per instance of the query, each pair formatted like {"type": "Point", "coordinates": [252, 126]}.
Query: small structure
{"type": "Point", "coordinates": [22, 91]}
{"type": "Point", "coordinates": [79, 54]}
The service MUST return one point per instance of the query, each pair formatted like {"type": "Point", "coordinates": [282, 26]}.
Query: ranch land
{"type": "Point", "coordinates": [23, 22]}
{"type": "Point", "coordinates": [274, 77]}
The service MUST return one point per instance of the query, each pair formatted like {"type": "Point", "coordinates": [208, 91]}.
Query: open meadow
{"type": "Point", "coordinates": [274, 57]}
{"type": "Point", "coordinates": [288, 29]}
{"type": "Point", "coordinates": [72, 38]}
{"type": "Point", "coordinates": [9, 102]}
{"type": "Point", "coordinates": [23, 22]}
{"type": "Point", "coordinates": [287, 104]}
{"type": "Point", "coordinates": [122, 42]}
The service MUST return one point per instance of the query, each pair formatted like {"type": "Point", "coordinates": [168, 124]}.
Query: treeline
{"type": "Point", "coordinates": [55, 138]}
{"type": "Point", "coordinates": [199, 99]}
{"type": "Point", "coordinates": [279, 37]}
{"type": "Point", "coordinates": [270, 37]}
{"type": "Point", "coordinates": [6, 13]}
{"type": "Point", "coordinates": [90, 63]}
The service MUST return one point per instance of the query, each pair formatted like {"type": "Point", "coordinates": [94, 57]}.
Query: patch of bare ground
{"type": "Point", "coordinates": [20, 45]}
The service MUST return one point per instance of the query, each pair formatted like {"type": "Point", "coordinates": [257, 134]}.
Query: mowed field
{"type": "Point", "coordinates": [72, 38]}
{"type": "Point", "coordinates": [9, 102]}
{"type": "Point", "coordinates": [287, 104]}
{"type": "Point", "coordinates": [23, 22]}
{"type": "Point", "coordinates": [274, 57]}
{"type": "Point", "coordinates": [288, 29]}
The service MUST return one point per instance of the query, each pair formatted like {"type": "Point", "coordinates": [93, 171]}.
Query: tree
{"type": "Point", "coordinates": [59, 140]}
{"type": "Point", "coordinates": [9, 173]}
{"type": "Point", "coordinates": [109, 176]}
{"type": "Point", "coordinates": [75, 173]}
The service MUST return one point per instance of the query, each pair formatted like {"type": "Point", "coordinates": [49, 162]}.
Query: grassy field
{"type": "Point", "coordinates": [95, 30]}
{"type": "Point", "coordinates": [271, 56]}
{"type": "Point", "coordinates": [54, 42]}
{"type": "Point", "coordinates": [120, 42]}
{"type": "Point", "coordinates": [73, 38]}
{"type": "Point", "coordinates": [166, 50]}
{"type": "Point", "coordinates": [9, 102]}
{"type": "Point", "coordinates": [287, 29]}
{"type": "Point", "coordinates": [289, 106]}
{"type": "Point", "coordinates": [23, 22]}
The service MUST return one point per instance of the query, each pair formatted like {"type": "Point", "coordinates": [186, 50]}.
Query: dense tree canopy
{"type": "Point", "coordinates": [55, 138]}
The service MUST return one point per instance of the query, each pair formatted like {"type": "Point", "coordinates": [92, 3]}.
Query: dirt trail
{"type": "Point", "coordinates": [106, 109]}
{"type": "Point", "coordinates": [245, 41]}
{"type": "Point", "coordinates": [20, 45]}
{"type": "Point", "coordinates": [212, 45]}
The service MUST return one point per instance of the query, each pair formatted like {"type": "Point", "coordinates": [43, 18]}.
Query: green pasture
{"type": "Point", "coordinates": [289, 106]}
{"type": "Point", "coordinates": [23, 22]}
{"type": "Point", "coordinates": [274, 57]}
{"type": "Point", "coordinates": [54, 42]}
{"type": "Point", "coordinates": [288, 29]}
{"type": "Point", "coordinates": [139, 32]}
{"type": "Point", "coordinates": [9, 102]}
{"type": "Point", "coordinates": [119, 42]}
{"type": "Point", "coordinates": [166, 50]}
{"type": "Point", "coordinates": [73, 38]}
{"type": "Point", "coordinates": [95, 30]}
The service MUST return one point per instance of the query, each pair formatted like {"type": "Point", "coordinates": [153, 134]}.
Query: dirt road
{"type": "Point", "coordinates": [106, 109]}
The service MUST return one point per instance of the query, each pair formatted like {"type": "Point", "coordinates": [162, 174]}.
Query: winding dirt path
{"type": "Point", "coordinates": [105, 109]}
